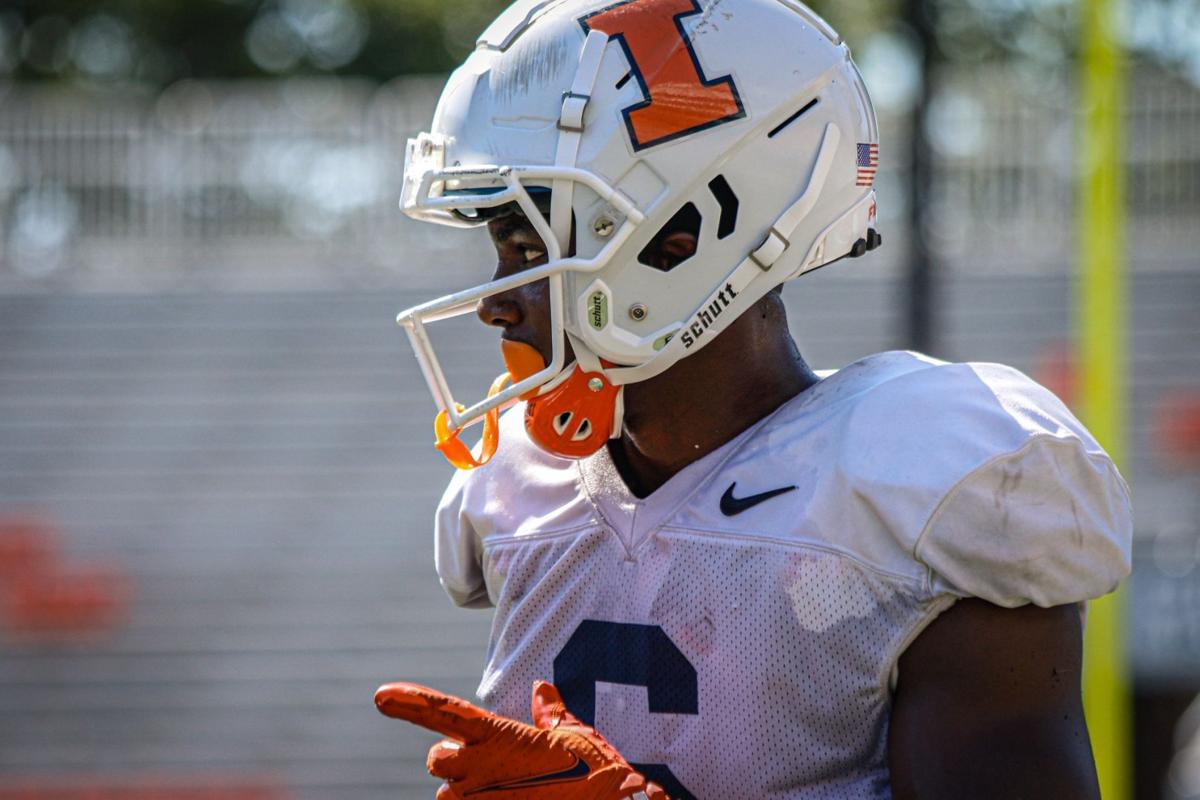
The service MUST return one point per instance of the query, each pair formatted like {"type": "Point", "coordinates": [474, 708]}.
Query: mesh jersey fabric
{"type": "Point", "coordinates": [751, 655]}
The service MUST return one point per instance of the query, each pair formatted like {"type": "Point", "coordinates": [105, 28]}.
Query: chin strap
{"type": "Point", "coordinates": [576, 419]}
{"type": "Point", "coordinates": [572, 416]}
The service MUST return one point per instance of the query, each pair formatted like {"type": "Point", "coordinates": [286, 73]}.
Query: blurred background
{"type": "Point", "coordinates": [216, 472]}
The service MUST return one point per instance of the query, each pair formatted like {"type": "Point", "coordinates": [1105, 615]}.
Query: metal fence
{"type": "Point", "coordinates": [293, 183]}
{"type": "Point", "coordinates": [209, 184]}
{"type": "Point", "coordinates": [1005, 148]}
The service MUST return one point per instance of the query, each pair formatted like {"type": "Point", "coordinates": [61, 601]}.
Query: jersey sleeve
{"type": "Point", "coordinates": [1044, 518]}
{"type": "Point", "coordinates": [457, 547]}
{"type": "Point", "coordinates": [991, 486]}
{"type": "Point", "coordinates": [1049, 524]}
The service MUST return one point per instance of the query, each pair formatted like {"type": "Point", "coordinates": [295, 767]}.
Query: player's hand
{"type": "Point", "coordinates": [496, 758]}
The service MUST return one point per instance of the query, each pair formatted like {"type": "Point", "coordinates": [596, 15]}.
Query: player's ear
{"type": "Point", "coordinates": [669, 249]}
{"type": "Point", "coordinates": [679, 245]}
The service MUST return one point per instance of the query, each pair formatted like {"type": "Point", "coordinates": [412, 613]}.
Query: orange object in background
{"type": "Point", "coordinates": [157, 787]}
{"type": "Point", "coordinates": [1177, 429]}
{"type": "Point", "coordinates": [1056, 369]}
{"type": "Point", "coordinates": [28, 543]}
{"type": "Point", "coordinates": [73, 602]}
{"type": "Point", "coordinates": [44, 599]}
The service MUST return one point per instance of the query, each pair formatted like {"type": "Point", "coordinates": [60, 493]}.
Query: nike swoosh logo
{"type": "Point", "coordinates": [731, 505]}
{"type": "Point", "coordinates": [580, 770]}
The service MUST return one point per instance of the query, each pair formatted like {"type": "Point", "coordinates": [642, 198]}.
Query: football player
{"type": "Point", "coordinates": [741, 579]}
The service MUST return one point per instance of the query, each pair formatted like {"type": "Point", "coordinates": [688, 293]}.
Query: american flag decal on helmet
{"type": "Point", "coordinates": [868, 163]}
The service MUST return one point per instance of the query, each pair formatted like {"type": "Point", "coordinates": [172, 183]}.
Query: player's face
{"type": "Point", "coordinates": [523, 314]}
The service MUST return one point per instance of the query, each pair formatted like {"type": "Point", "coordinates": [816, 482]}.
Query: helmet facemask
{"type": "Point", "coordinates": [468, 198]}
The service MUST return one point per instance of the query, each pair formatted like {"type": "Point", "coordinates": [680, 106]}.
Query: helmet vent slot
{"type": "Point", "coordinates": [621, 83]}
{"type": "Point", "coordinates": [791, 119]}
{"type": "Point", "coordinates": [662, 253]}
{"type": "Point", "coordinates": [729, 205]}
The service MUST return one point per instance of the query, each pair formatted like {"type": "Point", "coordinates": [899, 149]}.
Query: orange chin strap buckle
{"type": "Point", "coordinates": [572, 420]}
{"type": "Point", "coordinates": [455, 450]}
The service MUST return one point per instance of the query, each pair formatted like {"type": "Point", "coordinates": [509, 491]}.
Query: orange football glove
{"type": "Point", "coordinates": [491, 757]}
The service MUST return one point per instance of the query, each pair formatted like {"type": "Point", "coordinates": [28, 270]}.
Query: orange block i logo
{"type": "Point", "coordinates": [679, 98]}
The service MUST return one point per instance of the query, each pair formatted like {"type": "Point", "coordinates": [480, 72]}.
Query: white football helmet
{"type": "Point", "coordinates": [745, 122]}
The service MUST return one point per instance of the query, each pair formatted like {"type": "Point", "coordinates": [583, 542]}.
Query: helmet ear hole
{"type": "Point", "coordinates": [585, 430]}
{"type": "Point", "coordinates": [666, 250]}
{"type": "Point", "coordinates": [561, 422]}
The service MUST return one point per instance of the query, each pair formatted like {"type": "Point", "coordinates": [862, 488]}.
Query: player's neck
{"type": "Point", "coordinates": [709, 398]}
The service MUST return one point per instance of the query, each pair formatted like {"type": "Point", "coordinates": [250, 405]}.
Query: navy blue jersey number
{"type": "Point", "coordinates": [635, 655]}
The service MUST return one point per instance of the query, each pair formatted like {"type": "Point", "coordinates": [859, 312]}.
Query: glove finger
{"type": "Point", "coordinates": [448, 792]}
{"type": "Point", "coordinates": [437, 711]}
{"type": "Point", "coordinates": [549, 709]}
{"type": "Point", "coordinates": [447, 760]}
{"type": "Point", "coordinates": [655, 792]}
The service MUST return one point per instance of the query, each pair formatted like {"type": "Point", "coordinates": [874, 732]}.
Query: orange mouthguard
{"type": "Point", "coordinates": [454, 449]}
{"type": "Point", "coordinates": [521, 361]}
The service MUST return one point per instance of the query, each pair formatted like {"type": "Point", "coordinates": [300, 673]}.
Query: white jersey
{"type": "Point", "coordinates": [736, 633]}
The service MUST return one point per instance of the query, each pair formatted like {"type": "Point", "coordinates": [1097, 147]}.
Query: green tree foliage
{"type": "Point", "coordinates": [156, 42]}
{"type": "Point", "coordinates": [159, 41]}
